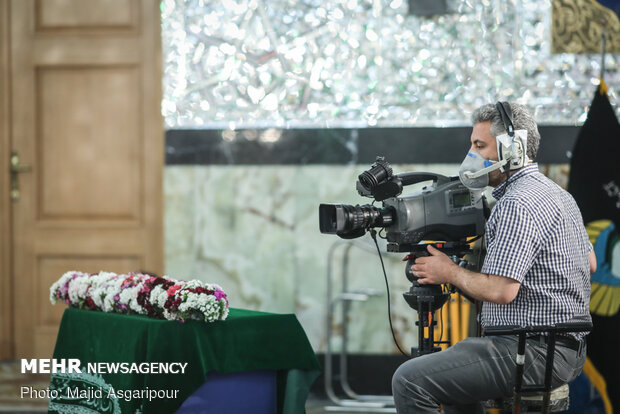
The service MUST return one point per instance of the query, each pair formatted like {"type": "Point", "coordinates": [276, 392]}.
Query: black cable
{"type": "Point", "coordinates": [373, 234]}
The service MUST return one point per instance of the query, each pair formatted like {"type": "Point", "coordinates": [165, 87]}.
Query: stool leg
{"type": "Point", "coordinates": [548, 372]}
{"type": "Point", "coordinates": [520, 361]}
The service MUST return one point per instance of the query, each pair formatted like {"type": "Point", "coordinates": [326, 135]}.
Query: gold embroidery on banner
{"type": "Point", "coordinates": [577, 24]}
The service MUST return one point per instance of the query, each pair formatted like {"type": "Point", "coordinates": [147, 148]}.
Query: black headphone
{"type": "Point", "coordinates": [505, 111]}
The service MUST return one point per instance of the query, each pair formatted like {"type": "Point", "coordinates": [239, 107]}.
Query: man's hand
{"type": "Point", "coordinates": [435, 269]}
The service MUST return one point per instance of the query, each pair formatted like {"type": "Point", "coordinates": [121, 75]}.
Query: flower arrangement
{"type": "Point", "coordinates": [137, 293]}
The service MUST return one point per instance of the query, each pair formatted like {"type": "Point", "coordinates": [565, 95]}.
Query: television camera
{"type": "Point", "coordinates": [445, 210]}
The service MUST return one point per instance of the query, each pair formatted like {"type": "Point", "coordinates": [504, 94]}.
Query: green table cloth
{"type": "Point", "coordinates": [245, 341]}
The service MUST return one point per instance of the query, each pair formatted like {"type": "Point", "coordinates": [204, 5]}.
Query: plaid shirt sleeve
{"type": "Point", "coordinates": [513, 241]}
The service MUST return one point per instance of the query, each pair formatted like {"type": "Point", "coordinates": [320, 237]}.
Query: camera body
{"type": "Point", "coordinates": [445, 210]}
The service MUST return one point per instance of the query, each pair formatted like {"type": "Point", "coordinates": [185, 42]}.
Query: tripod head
{"type": "Point", "coordinates": [430, 294]}
{"type": "Point", "coordinates": [426, 299]}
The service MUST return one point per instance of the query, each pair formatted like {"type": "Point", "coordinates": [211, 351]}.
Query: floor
{"type": "Point", "coordinates": [320, 405]}
{"type": "Point", "coordinates": [13, 382]}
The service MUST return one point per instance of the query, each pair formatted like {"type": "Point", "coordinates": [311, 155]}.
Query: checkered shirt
{"type": "Point", "coordinates": [535, 235]}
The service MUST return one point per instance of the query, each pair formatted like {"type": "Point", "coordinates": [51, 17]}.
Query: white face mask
{"type": "Point", "coordinates": [474, 170]}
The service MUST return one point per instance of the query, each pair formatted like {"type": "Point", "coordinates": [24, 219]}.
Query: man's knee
{"type": "Point", "coordinates": [406, 377]}
{"type": "Point", "coordinates": [398, 381]}
{"type": "Point", "coordinates": [409, 391]}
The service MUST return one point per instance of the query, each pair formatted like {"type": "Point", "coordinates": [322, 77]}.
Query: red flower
{"type": "Point", "coordinates": [90, 303]}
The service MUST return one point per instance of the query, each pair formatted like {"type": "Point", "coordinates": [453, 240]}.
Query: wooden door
{"type": "Point", "coordinates": [85, 115]}
{"type": "Point", "coordinates": [6, 293]}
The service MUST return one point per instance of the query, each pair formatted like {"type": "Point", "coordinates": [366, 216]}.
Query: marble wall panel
{"type": "Point", "coordinates": [254, 230]}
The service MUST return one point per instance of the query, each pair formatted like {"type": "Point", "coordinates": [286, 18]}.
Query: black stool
{"type": "Point", "coordinates": [535, 398]}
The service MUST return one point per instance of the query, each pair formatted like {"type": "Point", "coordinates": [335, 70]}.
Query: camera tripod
{"type": "Point", "coordinates": [426, 299]}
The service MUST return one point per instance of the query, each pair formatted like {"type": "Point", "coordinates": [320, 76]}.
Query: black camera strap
{"type": "Point", "coordinates": [505, 112]}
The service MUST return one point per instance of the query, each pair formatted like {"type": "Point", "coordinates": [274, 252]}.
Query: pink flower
{"type": "Point", "coordinates": [173, 289]}
{"type": "Point", "coordinates": [104, 291]}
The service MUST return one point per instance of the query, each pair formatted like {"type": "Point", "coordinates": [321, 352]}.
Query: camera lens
{"type": "Point", "coordinates": [349, 221]}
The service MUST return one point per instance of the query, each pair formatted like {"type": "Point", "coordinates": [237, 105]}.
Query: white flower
{"type": "Point", "coordinates": [119, 293]}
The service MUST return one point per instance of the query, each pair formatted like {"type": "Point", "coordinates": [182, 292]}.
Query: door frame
{"type": "Point", "coordinates": [6, 287]}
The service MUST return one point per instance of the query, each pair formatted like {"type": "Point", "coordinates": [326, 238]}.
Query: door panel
{"type": "Point", "coordinates": [86, 15]}
{"type": "Point", "coordinates": [112, 96]}
{"type": "Point", "coordinates": [85, 115]}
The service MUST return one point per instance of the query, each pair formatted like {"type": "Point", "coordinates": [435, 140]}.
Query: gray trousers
{"type": "Point", "coordinates": [476, 369]}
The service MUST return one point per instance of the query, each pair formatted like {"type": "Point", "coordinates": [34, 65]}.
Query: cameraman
{"type": "Point", "coordinates": [536, 272]}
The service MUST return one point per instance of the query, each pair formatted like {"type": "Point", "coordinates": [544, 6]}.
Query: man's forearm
{"type": "Point", "coordinates": [481, 286]}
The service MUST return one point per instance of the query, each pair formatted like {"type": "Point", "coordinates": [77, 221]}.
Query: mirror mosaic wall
{"type": "Point", "coordinates": [289, 63]}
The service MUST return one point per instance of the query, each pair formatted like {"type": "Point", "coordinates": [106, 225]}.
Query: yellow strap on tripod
{"type": "Point", "coordinates": [464, 310]}
{"type": "Point", "coordinates": [455, 320]}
